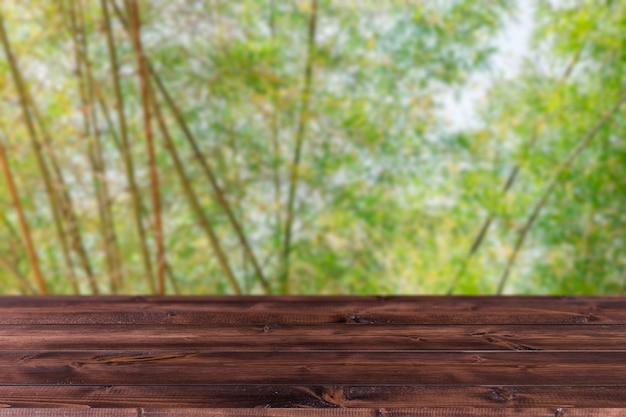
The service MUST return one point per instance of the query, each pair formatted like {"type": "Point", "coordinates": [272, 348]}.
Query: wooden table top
{"type": "Point", "coordinates": [313, 356]}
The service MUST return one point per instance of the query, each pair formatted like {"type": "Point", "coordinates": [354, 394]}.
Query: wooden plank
{"type": "Point", "coordinates": [313, 337]}
{"type": "Point", "coordinates": [145, 356]}
{"type": "Point", "coordinates": [363, 412]}
{"type": "Point", "coordinates": [390, 412]}
{"type": "Point", "coordinates": [312, 396]}
{"type": "Point", "coordinates": [314, 367]}
{"type": "Point", "coordinates": [293, 309]}
{"type": "Point", "coordinates": [45, 412]}
{"type": "Point", "coordinates": [278, 300]}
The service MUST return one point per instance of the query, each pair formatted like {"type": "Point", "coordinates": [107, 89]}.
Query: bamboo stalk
{"type": "Point", "coordinates": [24, 285]}
{"type": "Point", "coordinates": [15, 199]}
{"type": "Point", "coordinates": [126, 153]}
{"type": "Point", "coordinates": [65, 201]}
{"type": "Point", "coordinates": [92, 135]}
{"type": "Point", "coordinates": [16, 247]}
{"type": "Point", "coordinates": [49, 182]}
{"type": "Point", "coordinates": [144, 81]}
{"type": "Point", "coordinates": [207, 170]}
{"type": "Point", "coordinates": [297, 153]}
{"type": "Point", "coordinates": [482, 232]}
{"type": "Point", "coordinates": [64, 197]}
{"type": "Point", "coordinates": [274, 132]}
{"type": "Point", "coordinates": [85, 110]}
{"type": "Point", "coordinates": [173, 279]}
{"type": "Point", "coordinates": [112, 245]}
{"type": "Point", "coordinates": [14, 235]}
{"type": "Point", "coordinates": [194, 202]}
{"type": "Point", "coordinates": [104, 108]}
{"type": "Point", "coordinates": [234, 182]}
{"type": "Point", "coordinates": [66, 206]}
{"type": "Point", "coordinates": [554, 179]}
{"type": "Point", "coordinates": [217, 189]}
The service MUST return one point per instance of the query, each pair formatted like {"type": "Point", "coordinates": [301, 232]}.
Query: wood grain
{"type": "Point", "coordinates": [324, 356]}
{"type": "Point", "coordinates": [361, 412]}
{"type": "Point", "coordinates": [313, 337]}
{"type": "Point", "coordinates": [315, 309]}
{"type": "Point", "coordinates": [312, 367]}
{"type": "Point", "coordinates": [311, 396]}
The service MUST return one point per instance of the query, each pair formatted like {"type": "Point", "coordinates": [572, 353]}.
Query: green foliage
{"type": "Point", "coordinates": [389, 198]}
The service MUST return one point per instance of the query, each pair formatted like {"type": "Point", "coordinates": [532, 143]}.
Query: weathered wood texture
{"type": "Point", "coordinates": [342, 356]}
{"type": "Point", "coordinates": [345, 412]}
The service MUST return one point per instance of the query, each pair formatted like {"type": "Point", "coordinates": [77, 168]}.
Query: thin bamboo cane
{"type": "Point", "coordinates": [217, 189]}
{"type": "Point", "coordinates": [64, 199]}
{"type": "Point", "coordinates": [12, 260]}
{"type": "Point", "coordinates": [49, 182]}
{"type": "Point", "coordinates": [297, 153]}
{"type": "Point", "coordinates": [13, 234]}
{"type": "Point", "coordinates": [92, 134]}
{"type": "Point", "coordinates": [126, 152]}
{"type": "Point", "coordinates": [85, 111]}
{"type": "Point", "coordinates": [110, 124]}
{"type": "Point", "coordinates": [173, 279]}
{"type": "Point", "coordinates": [24, 284]}
{"type": "Point", "coordinates": [274, 132]}
{"type": "Point", "coordinates": [195, 203]}
{"type": "Point", "coordinates": [15, 199]}
{"type": "Point", "coordinates": [554, 179]}
{"type": "Point", "coordinates": [484, 229]}
{"type": "Point", "coordinates": [66, 205]}
{"type": "Point", "coordinates": [135, 29]}
{"type": "Point", "coordinates": [208, 171]}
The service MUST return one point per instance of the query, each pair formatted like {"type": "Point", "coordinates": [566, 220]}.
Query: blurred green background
{"type": "Point", "coordinates": [314, 146]}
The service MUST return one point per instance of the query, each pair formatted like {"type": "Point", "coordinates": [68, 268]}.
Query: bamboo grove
{"type": "Point", "coordinates": [303, 146]}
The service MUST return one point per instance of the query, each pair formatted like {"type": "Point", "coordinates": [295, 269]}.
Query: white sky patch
{"type": "Point", "coordinates": [459, 108]}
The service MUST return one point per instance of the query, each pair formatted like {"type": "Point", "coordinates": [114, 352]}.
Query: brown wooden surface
{"type": "Point", "coordinates": [298, 337]}
{"type": "Point", "coordinates": [346, 412]}
{"type": "Point", "coordinates": [311, 310]}
{"type": "Point", "coordinates": [340, 356]}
